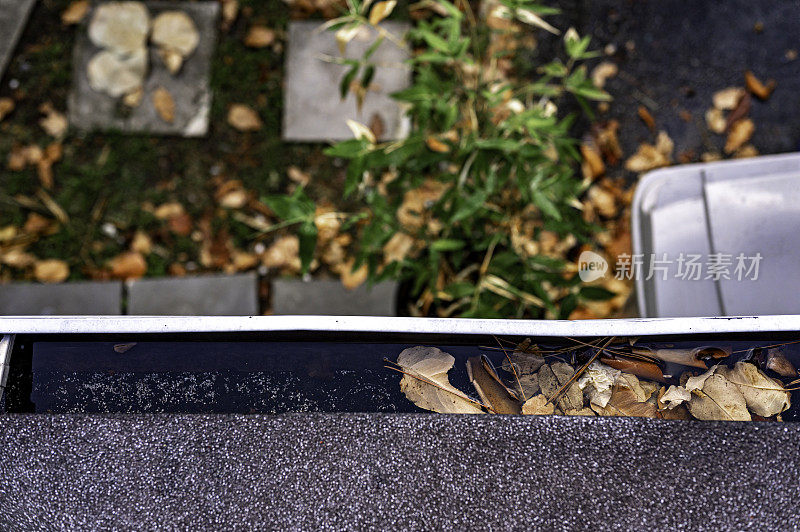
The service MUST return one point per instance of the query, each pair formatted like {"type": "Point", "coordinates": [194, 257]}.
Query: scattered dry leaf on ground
{"type": "Point", "coordinates": [740, 133]}
{"type": "Point", "coordinates": [128, 265]}
{"type": "Point", "coordinates": [283, 254]}
{"type": "Point", "coordinates": [142, 243]}
{"type": "Point", "coordinates": [603, 72]}
{"type": "Point", "coordinates": [51, 271]}
{"type": "Point", "coordinates": [54, 123]}
{"type": "Point", "coordinates": [757, 88]}
{"type": "Point", "coordinates": [352, 279]}
{"type": "Point", "coordinates": [164, 104]}
{"type": "Point", "coordinates": [728, 99]}
{"type": "Point", "coordinates": [6, 106]}
{"type": "Point", "coordinates": [649, 157]}
{"type": "Point", "coordinates": [75, 12]}
{"type": "Point", "coordinates": [230, 10]}
{"type": "Point", "coordinates": [259, 37]}
{"type": "Point", "coordinates": [176, 36]}
{"type": "Point", "coordinates": [243, 118]}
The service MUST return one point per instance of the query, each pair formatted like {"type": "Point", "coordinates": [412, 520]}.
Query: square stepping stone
{"type": "Point", "coordinates": [13, 16]}
{"type": "Point", "coordinates": [331, 298]}
{"type": "Point", "coordinates": [313, 109]}
{"type": "Point", "coordinates": [202, 295]}
{"type": "Point", "coordinates": [189, 88]}
{"type": "Point", "coordinates": [81, 298]}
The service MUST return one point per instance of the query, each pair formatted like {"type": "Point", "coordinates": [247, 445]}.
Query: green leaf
{"type": "Point", "coordinates": [447, 244]}
{"type": "Point", "coordinates": [543, 202]}
{"type": "Point", "coordinates": [295, 207]}
{"type": "Point", "coordinates": [596, 293]}
{"type": "Point", "coordinates": [344, 85]}
{"type": "Point", "coordinates": [307, 235]}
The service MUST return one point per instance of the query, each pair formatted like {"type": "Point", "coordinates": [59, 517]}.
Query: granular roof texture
{"type": "Point", "coordinates": [394, 471]}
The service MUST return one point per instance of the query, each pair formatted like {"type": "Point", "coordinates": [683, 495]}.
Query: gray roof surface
{"type": "Point", "coordinates": [385, 471]}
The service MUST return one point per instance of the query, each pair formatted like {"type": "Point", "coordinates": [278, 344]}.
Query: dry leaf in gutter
{"type": "Point", "coordinates": [538, 406]}
{"type": "Point", "coordinates": [777, 362]}
{"type": "Point", "coordinates": [426, 383]}
{"type": "Point", "coordinates": [243, 118]}
{"type": "Point", "coordinates": [673, 397]}
{"type": "Point", "coordinates": [490, 388]}
{"type": "Point", "coordinates": [51, 271]}
{"type": "Point", "coordinates": [741, 131]}
{"type": "Point", "coordinates": [552, 377]}
{"type": "Point", "coordinates": [727, 99]}
{"type": "Point", "coordinates": [719, 399]}
{"type": "Point", "coordinates": [164, 104]}
{"type": "Point", "coordinates": [625, 402]}
{"type": "Point", "coordinates": [582, 412]}
{"type": "Point", "coordinates": [764, 396]}
{"type": "Point", "coordinates": [597, 381]}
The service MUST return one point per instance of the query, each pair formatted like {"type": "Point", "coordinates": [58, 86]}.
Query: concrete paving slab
{"type": "Point", "coordinates": [331, 298]}
{"type": "Point", "coordinates": [13, 16]}
{"type": "Point", "coordinates": [90, 110]}
{"type": "Point", "coordinates": [81, 298]}
{"type": "Point", "coordinates": [203, 295]}
{"type": "Point", "coordinates": [313, 109]}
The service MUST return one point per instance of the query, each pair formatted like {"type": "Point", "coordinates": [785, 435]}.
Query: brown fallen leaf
{"type": "Point", "coordinates": [298, 176]}
{"type": "Point", "coordinates": [490, 388]}
{"type": "Point", "coordinates": [727, 99]}
{"type": "Point", "coordinates": [603, 200]}
{"type": "Point", "coordinates": [764, 396]}
{"type": "Point", "coordinates": [649, 157]}
{"type": "Point", "coordinates": [283, 254]}
{"type": "Point", "coordinates": [54, 123]}
{"type": "Point", "coordinates": [259, 37]}
{"type": "Point", "coordinates": [181, 224]}
{"type": "Point", "coordinates": [397, 248]}
{"type": "Point", "coordinates": [353, 279]}
{"type": "Point", "coordinates": [243, 260]}
{"type": "Point", "coordinates": [593, 166]}
{"type": "Point", "coordinates": [377, 126]}
{"type": "Point", "coordinates": [625, 402]}
{"type": "Point", "coordinates": [44, 169]}
{"type": "Point", "coordinates": [646, 117]}
{"type": "Point", "coordinates": [740, 133]}
{"type": "Point", "coordinates": [381, 10]}
{"type": "Point", "coordinates": [134, 98]}
{"type": "Point", "coordinates": [757, 88]}
{"type": "Point", "coordinates": [602, 72]}
{"type": "Point", "coordinates": [164, 104]}
{"type": "Point", "coordinates": [777, 362]}
{"type": "Point", "coordinates": [425, 382]}
{"type": "Point", "coordinates": [75, 12]}
{"type": "Point", "coordinates": [36, 223]}
{"type": "Point", "coordinates": [243, 118]}
{"type": "Point", "coordinates": [230, 10]}
{"type": "Point", "coordinates": [437, 145]}
{"type": "Point", "coordinates": [715, 120]}
{"type": "Point", "coordinates": [552, 377]}
{"type": "Point", "coordinates": [718, 400]}
{"type": "Point", "coordinates": [51, 271]}
{"type": "Point", "coordinates": [168, 210]}
{"type": "Point", "coordinates": [17, 257]}
{"type": "Point", "coordinates": [142, 243]}
{"type": "Point", "coordinates": [6, 106]}
{"type": "Point", "coordinates": [538, 405]}
{"type": "Point", "coordinates": [128, 265]}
